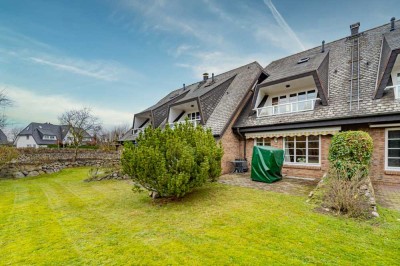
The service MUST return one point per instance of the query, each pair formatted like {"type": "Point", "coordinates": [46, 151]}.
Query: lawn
{"type": "Point", "coordinates": [59, 219]}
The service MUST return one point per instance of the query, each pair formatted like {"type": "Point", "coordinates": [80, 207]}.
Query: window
{"type": "Point", "coordinates": [47, 137]}
{"type": "Point", "coordinates": [194, 116]}
{"type": "Point", "coordinates": [302, 149]}
{"type": "Point", "coordinates": [262, 142]}
{"type": "Point", "coordinates": [303, 60]}
{"type": "Point", "coordinates": [27, 136]}
{"type": "Point", "coordinates": [393, 149]}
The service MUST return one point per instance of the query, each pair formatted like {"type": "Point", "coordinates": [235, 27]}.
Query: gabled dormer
{"type": "Point", "coordinates": [389, 65]}
{"type": "Point", "coordinates": [140, 122]}
{"type": "Point", "coordinates": [182, 111]}
{"type": "Point", "coordinates": [294, 84]}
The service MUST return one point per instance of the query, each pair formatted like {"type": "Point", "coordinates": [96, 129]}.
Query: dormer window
{"type": "Point", "coordinates": [47, 137]}
{"type": "Point", "coordinates": [289, 103]}
{"type": "Point", "coordinates": [194, 116]}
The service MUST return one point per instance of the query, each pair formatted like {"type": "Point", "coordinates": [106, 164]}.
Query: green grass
{"type": "Point", "coordinates": [59, 219]}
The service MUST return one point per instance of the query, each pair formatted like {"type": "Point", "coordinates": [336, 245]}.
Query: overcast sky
{"type": "Point", "coordinates": [121, 56]}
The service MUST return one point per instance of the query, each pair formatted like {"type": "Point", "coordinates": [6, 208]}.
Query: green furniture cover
{"type": "Point", "coordinates": [266, 164]}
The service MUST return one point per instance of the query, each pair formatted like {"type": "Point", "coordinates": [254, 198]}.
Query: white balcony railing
{"type": "Point", "coordinates": [194, 122]}
{"type": "Point", "coordinates": [286, 108]}
{"type": "Point", "coordinates": [396, 89]}
{"type": "Point", "coordinates": [136, 131]}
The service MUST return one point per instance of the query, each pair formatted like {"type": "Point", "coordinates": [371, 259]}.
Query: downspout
{"type": "Point", "coordinates": [244, 146]}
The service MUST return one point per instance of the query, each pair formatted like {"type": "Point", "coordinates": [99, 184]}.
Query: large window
{"type": "Point", "coordinates": [263, 142]}
{"type": "Point", "coordinates": [393, 149]}
{"type": "Point", "coordinates": [302, 149]}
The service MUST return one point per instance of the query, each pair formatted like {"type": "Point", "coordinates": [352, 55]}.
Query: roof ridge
{"type": "Point", "coordinates": [328, 43]}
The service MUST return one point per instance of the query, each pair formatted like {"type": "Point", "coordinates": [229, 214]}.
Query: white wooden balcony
{"type": "Point", "coordinates": [194, 122]}
{"type": "Point", "coordinates": [287, 108]}
{"type": "Point", "coordinates": [396, 89]}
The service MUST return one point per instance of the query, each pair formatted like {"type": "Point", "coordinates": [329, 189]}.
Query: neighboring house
{"type": "Point", "coordinates": [349, 84]}
{"type": "Point", "coordinates": [3, 138]}
{"type": "Point", "coordinates": [214, 102]}
{"type": "Point", "coordinates": [37, 135]}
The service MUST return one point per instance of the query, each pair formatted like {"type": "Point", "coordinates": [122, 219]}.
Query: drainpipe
{"type": "Point", "coordinates": [244, 146]}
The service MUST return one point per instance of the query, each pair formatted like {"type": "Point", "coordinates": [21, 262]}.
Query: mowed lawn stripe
{"type": "Point", "coordinates": [32, 232]}
{"type": "Point", "coordinates": [106, 223]}
{"type": "Point", "coordinates": [96, 231]}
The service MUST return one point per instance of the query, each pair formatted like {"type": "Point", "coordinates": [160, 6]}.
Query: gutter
{"type": "Point", "coordinates": [243, 138]}
{"type": "Point", "coordinates": [391, 117]}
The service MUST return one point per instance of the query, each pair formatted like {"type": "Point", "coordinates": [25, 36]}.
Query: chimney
{"type": "Point", "coordinates": [354, 28]}
{"type": "Point", "coordinates": [323, 47]}
{"type": "Point", "coordinates": [184, 86]}
{"type": "Point", "coordinates": [205, 76]}
{"type": "Point", "coordinates": [212, 77]}
{"type": "Point", "coordinates": [392, 23]}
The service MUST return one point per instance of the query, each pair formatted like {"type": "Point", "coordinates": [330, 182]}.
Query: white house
{"type": "Point", "coordinates": [37, 135]}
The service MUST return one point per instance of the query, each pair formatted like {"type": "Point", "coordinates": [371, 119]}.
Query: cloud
{"type": "Point", "coordinates": [105, 70]}
{"type": "Point", "coordinates": [283, 24]}
{"type": "Point", "coordinates": [96, 70]}
{"type": "Point", "coordinates": [32, 107]}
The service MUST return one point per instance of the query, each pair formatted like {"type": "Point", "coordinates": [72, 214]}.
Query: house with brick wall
{"type": "Point", "coordinates": [348, 84]}
{"type": "Point", "coordinates": [299, 102]}
{"type": "Point", "coordinates": [214, 102]}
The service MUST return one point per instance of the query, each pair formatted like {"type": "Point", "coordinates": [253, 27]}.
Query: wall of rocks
{"type": "Point", "coordinates": [33, 162]}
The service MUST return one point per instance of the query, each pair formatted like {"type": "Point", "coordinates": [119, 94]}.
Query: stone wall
{"type": "Point", "coordinates": [32, 162]}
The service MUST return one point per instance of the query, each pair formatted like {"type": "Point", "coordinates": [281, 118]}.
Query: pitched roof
{"type": "Point", "coordinates": [3, 138]}
{"type": "Point", "coordinates": [390, 50]}
{"type": "Point", "coordinates": [219, 98]}
{"type": "Point", "coordinates": [339, 84]}
{"type": "Point", "coordinates": [38, 130]}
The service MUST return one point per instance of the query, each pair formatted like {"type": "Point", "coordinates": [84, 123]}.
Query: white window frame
{"type": "Point", "coordinates": [255, 141]}
{"type": "Point", "coordinates": [305, 164]}
{"type": "Point", "coordinates": [48, 137]}
{"type": "Point", "coordinates": [190, 116]}
{"type": "Point", "coordinates": [387, 168]}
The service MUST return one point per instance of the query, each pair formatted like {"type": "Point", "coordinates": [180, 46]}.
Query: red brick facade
{"type": "Point", "coordinates": [234, 148]}
{"type": "Point", "coordinates": [297, 170]}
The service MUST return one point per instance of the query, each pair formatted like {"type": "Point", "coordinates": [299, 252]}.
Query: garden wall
{"type": "Point", "coordinates": [32, 162]}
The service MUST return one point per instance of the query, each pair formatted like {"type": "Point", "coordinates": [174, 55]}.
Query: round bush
{"type": "Point", "coordinates": [351, 152]}
{"type": "Point", "coordinates": [172, 162]}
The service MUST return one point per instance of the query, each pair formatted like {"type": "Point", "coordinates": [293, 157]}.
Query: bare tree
{"type": "Point", "coordinates": [80, 122]}
{"type": "Point", "coordinates": [14, 133]}
{"type": "Point", "coordinates": [5, 101]}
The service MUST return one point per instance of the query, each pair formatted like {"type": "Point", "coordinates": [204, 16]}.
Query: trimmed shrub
{"type": "Point", "coordinates": [7, 154]}
{"type": "Point", "coordinates": [172, 162]}
{"type": "Point", "coordinates": [351, 152]}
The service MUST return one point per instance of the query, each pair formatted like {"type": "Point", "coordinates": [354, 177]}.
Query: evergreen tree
{"type": "Point", "coordinates": [172, 162]}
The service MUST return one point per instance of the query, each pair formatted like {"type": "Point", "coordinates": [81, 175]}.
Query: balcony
{"type": "Point", "coordinates": [193, 122]}
{"type": "Point", "coordinates": [396, 89]}
{"type": "Point", "coordinates": [287, 108]}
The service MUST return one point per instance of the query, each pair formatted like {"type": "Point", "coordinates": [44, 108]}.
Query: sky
{"type": "Point", "coordinates": [119, 57]}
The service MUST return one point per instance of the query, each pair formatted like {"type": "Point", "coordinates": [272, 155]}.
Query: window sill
{"type": "Point", "coordinates": [303, 166]}
{"type": "Point", "coordinates": [392, 172]}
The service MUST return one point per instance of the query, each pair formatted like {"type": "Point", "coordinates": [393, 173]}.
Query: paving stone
{"type": "Point", "coordinates": [388, 195]}
{"type": "Point", "coordinates": [291, 186]}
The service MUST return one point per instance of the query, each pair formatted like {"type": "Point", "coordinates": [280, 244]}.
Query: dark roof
{"type": "Point", "coordinates": [38, 130]}
{"type": "Point", "coordinates": [338, 72]}
{"type": "Point", "coordinates": [308, 63]}
{"type": "Point", "coordinates": [3, 138]}
{"type": "Point", "coordinates": [390, 50]}
{"type": "Point", "coordinates": [218, 99]}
